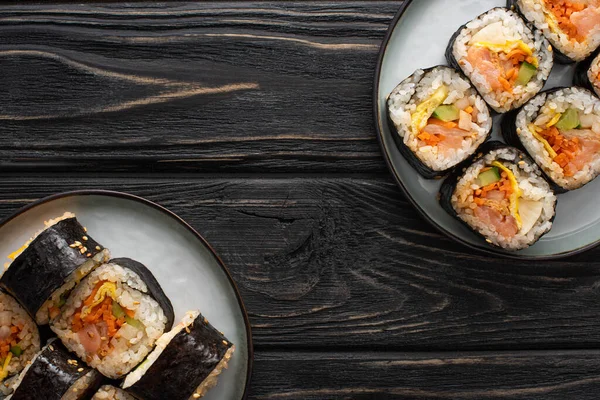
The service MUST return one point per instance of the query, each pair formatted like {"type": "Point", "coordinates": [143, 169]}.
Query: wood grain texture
{"type": "Point", "coordinates": [190, 86]}
{"type": "Point", "coordinates": [345, 263]}
{"type": "Point", "coordinates": [512, 375]}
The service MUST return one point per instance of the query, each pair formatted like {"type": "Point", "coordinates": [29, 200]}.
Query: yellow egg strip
{"type": "Point", "coordinates": [425, 109]}
{"type": "Point", "coordinates": [514, 197]}
{"type": "Point", "coordinates": [107, 289]}
{"type": "Point", "coordinates": [534, 131]}
{"type": "Point", "coordinates": [4, 370]}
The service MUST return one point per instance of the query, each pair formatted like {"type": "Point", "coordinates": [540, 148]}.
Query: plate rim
{"type": "Point", "coordinates": [378, 128]}
{"type": "Point", "coordinates": [177, 218]}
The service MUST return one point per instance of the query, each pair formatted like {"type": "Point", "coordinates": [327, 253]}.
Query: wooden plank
{"type": "Point", "coordinates": [512, 375]}
{"type": "Point", "coordinates": [190, 86]}
{"type": "Point", "coordinates": [334, 263]}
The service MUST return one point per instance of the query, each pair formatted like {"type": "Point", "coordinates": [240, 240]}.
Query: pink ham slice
{"type": "Point", "coordinates": [481, 59]}
{"type": "Point", "coordinates": [505, 225]}
{"type": "Point", "coordinates": [586, 20]}
{"type": "Point", "coordinates": [453, 137]}
{"type": "Point", "coordinates": [89, 337]}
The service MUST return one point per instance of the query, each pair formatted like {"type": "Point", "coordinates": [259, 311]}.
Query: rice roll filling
{"type": "Point", "coordinates": [572, 26]}
{"type": "Point", "coordinates": [108, 392]}
{"type": "Point", "coordinates": [502, 197]}
{"type": "Point", "coordinates": [561, 130]}
{"type": "Point", "coordinates": [506, 61]}
{"type": "Point", "coordinates": [439, 119]}
{"type": "Point", "coordinates": [19, 338]}
{"type": "Point", "coordinates": [111, 320]}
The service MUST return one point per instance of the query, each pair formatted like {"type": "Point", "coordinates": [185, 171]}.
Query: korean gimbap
{"type": "Point", "coordinates": [114, 316]}
{"type": "Point", "coordinates": [572, 26]}
{"type": "Point", "coordinates": [561, 131]}
{"type": "Point", "coordinates": [437, 119]}
{"type": "Point", "coordinates": [185, 364]}
{"type": "Point", "coordinates": [48, 266]}
{"type": "Point", "coordinates": [587, 74]}
{"type": "Point", "coordinates": [504, 58]}
{"type": "Point", "coordinates": [55, 374]}
{"type": "Point", "coordinates": [108, 392]}
{"type": "Point", "coordinates": [502, 197]}
{"type": "Point", "coordinates": [19, 340]}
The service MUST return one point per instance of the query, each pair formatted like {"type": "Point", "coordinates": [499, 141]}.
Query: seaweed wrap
{"type": "Point", "coordinates": [502, 197]}
{"type": "Point", "coordinates": [506, 60]}
{"type": "Point", "coordinates": [108, 392]}
{"type": "Point", "coordinates": [185, 364]}
{"type": "Point", "coordinates": [587, 74]}
{"type": "Point", "coordinates": [46, 268]}
{"type": "Point", "coordinates": [560, 130]}
{"type": "Point", "coordinates": [114, 316]}
{"type": "Point", "coordinates": [19, 341]}
{"type": "Point", "coordinates": [55, 374]}
{"type": "Point", "coordinates": [437, 120]}
{"type": "Point", "coordinates": [571, 26]}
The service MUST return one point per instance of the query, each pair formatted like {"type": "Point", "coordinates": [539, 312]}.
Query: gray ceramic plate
{"type": "Point", "coordinates": [188, 270]}
{"type": "Point", "coordinates": [417, 38]}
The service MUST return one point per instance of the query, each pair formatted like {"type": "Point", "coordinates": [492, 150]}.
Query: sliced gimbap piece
{"type": "Point", "coordinates": [46, 268]}
{"type": "Point", "coordinates": [108, 392]}
{"type": "Point", "coordinates": [572, 26]}
{"type": "Point", "coordinates": [55, 374]}
{"type": "Point", "coordinates": [587, 74]}
{"type": "Point", "coordinates": [560, 130]}
{"type": "Point", "coordinates": [185, 364]}
{"type": "Point", "coordinates": [504, 58]}
{"type": "Point", "coordinates": [114, 316]}
{"type": "Point", "coordinates": [437, 120]}
{"type": "Point", "coordinates": [502, 197]}
{"type": "Point", "coordinates": [19, 340]}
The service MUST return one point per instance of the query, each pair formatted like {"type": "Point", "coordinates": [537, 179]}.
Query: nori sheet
{"type": "Point", "coordinates": [46, 264]}
{"type": "Point", "coordinates": [449, 184]}
{"type": "Point", "coordinates": [51, 375]}
{"type": "Point", "coordinates": [154, 289]}
{"type": "Point", "coordinates": [580, 77]}
{"type": "Point", "coordinates": [184, 364]}
{"type": "Point", "coordinates": [408, 154]}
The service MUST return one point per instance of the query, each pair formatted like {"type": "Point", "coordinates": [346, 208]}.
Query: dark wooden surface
{"type": "Point", "coordinates": [252, 121]}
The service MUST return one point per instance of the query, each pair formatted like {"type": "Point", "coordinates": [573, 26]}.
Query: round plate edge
{"type": "Point", "coordinates": [388, 161]}
{"type": "Point", "coordinates": [139, 199]}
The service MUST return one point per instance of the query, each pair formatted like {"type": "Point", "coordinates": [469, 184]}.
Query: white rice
{"type": "Point", "coordinates": [541, 109]}
{"type": "Point", "coordinates": [593, 72]}
{"type": "Point", "coordinates": [108, 392]}
{"type": "Point", "coordinates": [209, 382]}
{"type": "Point", "coordinates": [533, 187]}
{"type": "Point", "coordinates": [12, 314]}
{"type": "Point", "coordinates": [130, 345]}
{"type": "Point", "coordinates": [514, 28]}
{"type": "Point", "coordinates": [420, 86]}
{"type": "Point", "coordinates": [535, 11]}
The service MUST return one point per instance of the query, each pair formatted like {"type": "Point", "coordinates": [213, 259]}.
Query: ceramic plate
{"type": "Point", "coordinates": [188, 270]}
{"type": "Point", "coordinates": [417, 38]}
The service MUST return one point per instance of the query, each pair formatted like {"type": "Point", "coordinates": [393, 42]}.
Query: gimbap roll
{"type": "Point", "coordinates": [185, 364]}
{"type": "Point", "coordinates": [19, 340]}
{"type": "Point", "coordinates": [114, 316]}
{"type": "Point", "coordinates": [502, 197]}
{"type": "Point", "coordinates": [572, 26]}
{"type": "Point", "coordinates": [437, 119]}
{"type": "Point", "coordinates": [55, 374]}
{"type": "Point", "coordinates": [504, 58]}
{"type": "Point", "coordinates": [561, 131]}
{"type": "Point", "coordinates": [587, 74]}
{"type": "Point", "coordinates": [48, 266]}
{"type": "Point", "coordinates": [108, 392]}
